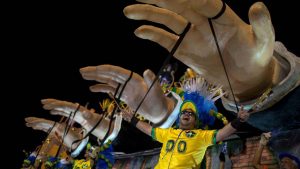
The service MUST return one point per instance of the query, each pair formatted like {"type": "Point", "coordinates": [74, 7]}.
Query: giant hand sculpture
{"type": "Point", "coordinates": [88, 119]}
{"type": "Point", "coordinates": [246, 49]}
{"type": "Point", "coordinates": [253, 60]}
{"type": "Point", "coordinates": [57, 131]}
{"type": "Point", "coordinates": [85, 117]}
{"type": "Point", "coordinates": [81, 115]}
{"type": "Point", "coordinates": [156, 107]}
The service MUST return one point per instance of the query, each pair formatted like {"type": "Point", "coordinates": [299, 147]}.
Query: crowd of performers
{"type": "Point", "coordinates": [194, 92]}
{"type": "Point", "coordinates": [54, 154]}
{"type": "Point", "coordinates": [256, 75]}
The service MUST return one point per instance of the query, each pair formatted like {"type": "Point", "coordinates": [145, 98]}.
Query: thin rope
{"type": "Point", "coordinates": [167, 60]}
{"type": "Point", "coordinates": [48, 133]}
{"type": "Point", "coordinates": [95, 126]}
{"type": "Point", "coordinates": [115, 108]}
{"type": "Point", "coordinates": [222, 60]}
{"type": "Point", "coordinates": [69, 122]}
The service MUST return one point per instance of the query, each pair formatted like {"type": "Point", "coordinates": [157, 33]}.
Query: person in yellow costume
{"type": "Point", "coordinates": [192, 144]}
{"type": "Point", "coordinates": [184, 147]}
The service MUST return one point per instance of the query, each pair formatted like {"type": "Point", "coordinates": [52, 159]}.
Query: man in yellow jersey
{"type": "Point", "coordinates": [185, 147]}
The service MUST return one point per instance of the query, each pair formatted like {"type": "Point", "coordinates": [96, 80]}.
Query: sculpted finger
{"type": "Point", "coordinates": [103, 88]}
{"type": "Point", "coordinates": [31, 119]}
{"type": "Point", "coordinates": [37, 120]}
{"type": "Point", "coordinates": [102, 77]}
{"type": "Point", "coordinates": [39, 127]}
{"type": "Point", "coordinates": [173, 5]}
{"type": "Point", "coordinates": [213, 8]}
{"type": "Point", "coordinates": [88, 73]}
{"type": "Point", "coordinates": [117, 73]}
{"type": "Point", "coordinates": [48, 101]}
{"type": "Point", "coordinates": [158, 35]}
{"type": "Point", "coordinates": [49, 104]}
{"type": "Point", "coordinates": [39, 123]}
{"type": "Point", "coordinates": [58, 112]}
{"type": "Point", "coordinates": [260, 20]}
{"type": "Point", "coordinates": [61, 106]}
{"type": "Point", "coordinates": [149, 76]}
{"type": "Point", "coordinates": [110, 74]}
{"type": "Point", "coordinates": [150, 1]}
{"type": "Point", "coordinates": [159, 15]}
{"type": "Point", "coordinates": [105, 72]}
{"type": "Point", "coordinates": [107, 80]}
{"type": "Point", "coordinates": [194, 10]}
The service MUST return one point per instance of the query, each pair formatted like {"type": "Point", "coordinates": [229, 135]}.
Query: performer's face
{"type": "Point", "coordinates": [187, 119]}
{"type": "Point", "coordinates": [287, 163]}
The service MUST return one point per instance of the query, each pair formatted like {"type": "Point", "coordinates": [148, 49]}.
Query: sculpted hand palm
{"type": "Point", "coordinates": [246, 49]}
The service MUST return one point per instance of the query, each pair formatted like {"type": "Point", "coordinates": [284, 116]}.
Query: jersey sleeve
{"type": "Point", "coordinates": [159, 134]}
{"type": "Point", "coordinates": [208, 137]}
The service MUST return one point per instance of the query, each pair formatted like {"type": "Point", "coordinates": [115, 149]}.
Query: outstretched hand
{"type": "Point", "coordinates": [155, 107]}
{"type": "Point", "coordinates": [56, 130]}
{"type": "Point", "coordinates": [85, 117]}
{"type": "Point", "coordinates": [246, 49]}
{"type": "Point", "coordinates": [243, 115]}
{"type": "Point", "coordinates": [265, 137]}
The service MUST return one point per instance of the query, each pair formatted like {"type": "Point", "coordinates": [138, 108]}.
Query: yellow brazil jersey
{"type": "Point", "coordinates": [82, 164]}
{"type": "Point", "coordinates": [182, 149]}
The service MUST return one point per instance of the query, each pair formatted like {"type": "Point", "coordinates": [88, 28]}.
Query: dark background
{"type": "Point", "coordinates": [48, 42]}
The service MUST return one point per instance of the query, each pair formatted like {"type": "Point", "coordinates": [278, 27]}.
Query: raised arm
{"type": "Point", "coordinates": [141, 125]}
{"type": "Point", "coordinates": [233, 125]}
{"type": "Point", "coordinates": [264, 139]}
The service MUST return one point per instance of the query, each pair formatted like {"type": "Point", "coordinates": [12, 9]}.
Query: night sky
{"type": "Point", "coordinates": [48, 42]}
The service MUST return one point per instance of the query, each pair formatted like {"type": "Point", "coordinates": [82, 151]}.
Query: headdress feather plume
{"type": "Point", "coordinates": [203, 95]}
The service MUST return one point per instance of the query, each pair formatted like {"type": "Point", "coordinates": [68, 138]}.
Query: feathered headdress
{"type": "Point", "coordinates": [200, 97]}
